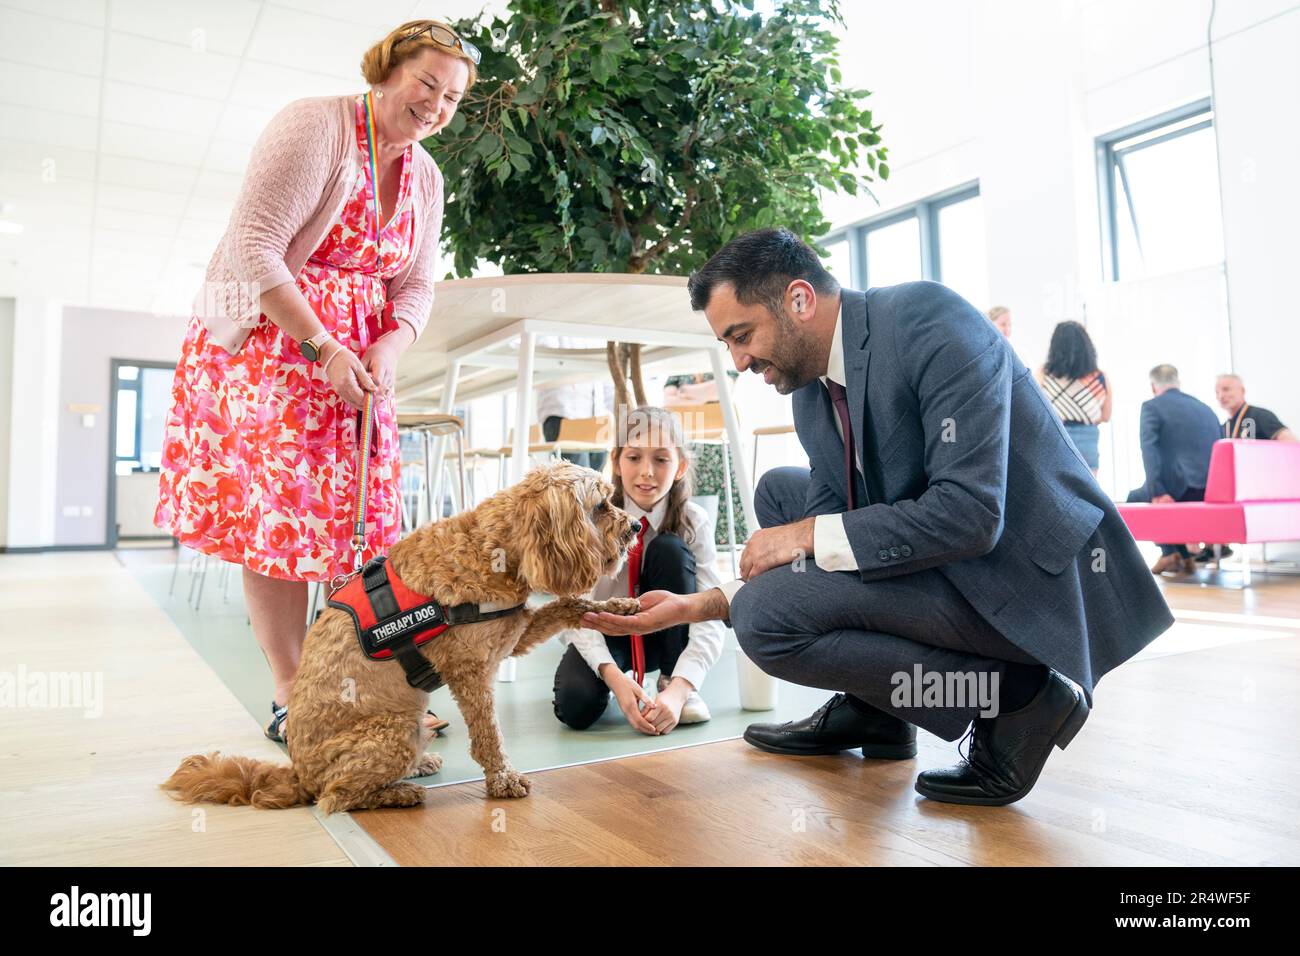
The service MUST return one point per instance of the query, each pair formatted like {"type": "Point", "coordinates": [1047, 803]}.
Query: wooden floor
{"type": "Point", "coordinates": [79, 789]}
{"type": "Point", "coordinates": [1190, 757]}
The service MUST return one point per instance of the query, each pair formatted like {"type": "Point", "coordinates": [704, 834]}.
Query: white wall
{"type": "Point", "coordinates": [54, 465]}
{"type": "Point", "coordinates": [6, 406]}
{"type": "Point", "coordinates": [92, 338]}
{"type": "Point", "coordinates": [31, 402]}
{"type": "Point", "coordinates": [1257, 78]}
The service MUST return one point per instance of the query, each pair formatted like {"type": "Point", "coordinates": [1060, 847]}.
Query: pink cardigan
{"type": "Point", "coordinates": [293, 192]}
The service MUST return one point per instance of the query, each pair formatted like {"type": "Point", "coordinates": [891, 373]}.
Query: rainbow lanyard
{"type": "Point", "coordinates": [371, 139]}
{"type": "Point", "coordinates": [1240, 417]}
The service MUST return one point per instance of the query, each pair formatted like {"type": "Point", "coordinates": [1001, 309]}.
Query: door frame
{"type": "Point", "coordinates": [110, 509]}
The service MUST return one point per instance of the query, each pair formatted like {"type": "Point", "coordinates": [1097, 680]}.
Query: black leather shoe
{"type": "Point", "coordinates": [837, 725]}
{"type": "Point", "coordinates": [1007, 752]}
{"type": "Point", "coordinates": [1207, 554]}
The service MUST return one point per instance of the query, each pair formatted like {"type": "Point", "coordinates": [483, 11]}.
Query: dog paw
{"type": "Point", "coordinates": [622, 605]}
{"type": "Point", "coordinates": [427, 764]}
{"type": "Point", "coordinates": [507, 783]}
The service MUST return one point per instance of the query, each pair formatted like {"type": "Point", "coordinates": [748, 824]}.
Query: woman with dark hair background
{"type": "Point", "coordinates": [1077, 389]}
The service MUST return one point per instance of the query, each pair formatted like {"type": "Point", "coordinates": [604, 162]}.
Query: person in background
{"type": "Point", "coordinates": [1077, 389]}
{"type": "Point", "coordinates": [674, 552]}
{"type": "Point", "coordinates": [555, 403]}
{"type": "Point", "coordinates": [1244, 420]}
{"type": "Point", "coordinates": [1000, 316]}
{"type": "Point", "coordinates": [1177, 433]}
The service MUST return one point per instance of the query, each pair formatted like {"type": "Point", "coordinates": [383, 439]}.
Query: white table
{"type": "Point", "coordinates": [481, 339]}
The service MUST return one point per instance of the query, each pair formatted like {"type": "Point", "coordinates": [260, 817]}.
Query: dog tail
{"type": "Point", "coordinates": [237, 782]}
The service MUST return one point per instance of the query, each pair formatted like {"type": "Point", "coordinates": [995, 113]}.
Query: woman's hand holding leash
{"type": "Point", "coordinates": [348, 376]}
{"type": "Point", "coordinates": [381, 358]}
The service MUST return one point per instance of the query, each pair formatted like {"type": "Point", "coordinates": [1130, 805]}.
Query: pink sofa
{"type": "Point", "coordinates": [1252, 495]}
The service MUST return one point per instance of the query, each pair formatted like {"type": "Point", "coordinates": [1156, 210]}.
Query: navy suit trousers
{"type": "Point", "coordinates": [831, 629]}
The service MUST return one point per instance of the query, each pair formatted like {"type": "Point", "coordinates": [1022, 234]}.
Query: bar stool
{"type": "Point", "coordinates": [430, 425]}
{"type": "Point", "coordinates": [474, 459]}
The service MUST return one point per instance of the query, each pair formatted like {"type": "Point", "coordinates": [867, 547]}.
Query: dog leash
{"type": "Point", "coordinates": [365, 432]}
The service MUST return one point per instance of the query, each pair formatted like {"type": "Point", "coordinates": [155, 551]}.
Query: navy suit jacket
{"type": "Point", "coordinates": [974, 475]}
{"type": "Point", "coordinates": [1177, 433]}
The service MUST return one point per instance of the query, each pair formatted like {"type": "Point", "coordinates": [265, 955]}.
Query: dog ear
{"type": "Point", "coordinates": [558, 548]}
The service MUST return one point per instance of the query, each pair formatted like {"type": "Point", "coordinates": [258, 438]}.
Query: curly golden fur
{"type": "Point", "coordinates": [355, 730]}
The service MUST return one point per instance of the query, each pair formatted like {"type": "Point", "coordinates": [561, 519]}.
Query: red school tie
{"type": "Point", "coordinates": [633, 585]}
{"type": "Point", "coordinates": [840, 399]}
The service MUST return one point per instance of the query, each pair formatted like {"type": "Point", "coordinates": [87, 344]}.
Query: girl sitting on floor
{"type": "Point", "coordinates": [651, 475]}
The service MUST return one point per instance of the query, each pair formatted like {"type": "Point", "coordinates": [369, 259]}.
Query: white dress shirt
{"type": "Point", "coordinates": [704, 638]}
{"type": "Point", "coordinates": [579, 399]}
{"type": "Point", "coordinates": [831, 548]}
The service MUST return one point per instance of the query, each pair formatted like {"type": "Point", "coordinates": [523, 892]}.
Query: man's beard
{"type": "Point", "coordinates": [793, 363]}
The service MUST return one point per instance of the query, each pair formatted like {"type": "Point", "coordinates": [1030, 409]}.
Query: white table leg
{"type": "Point", "coordinates": [440, 443]}
{"type": "Point", "coordinates": [733, 435]}
{"type": "Point", "coordinates": [523, 406]}
{"type": "Point", "coordinates": [519, 459]}
{"type": "Point", "coordinates": [731, 512]}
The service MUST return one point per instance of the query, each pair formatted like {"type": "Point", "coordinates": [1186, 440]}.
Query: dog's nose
{"type": "Point", "coordinates": [636, 527]}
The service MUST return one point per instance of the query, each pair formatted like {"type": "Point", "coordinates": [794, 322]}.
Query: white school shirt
{"type": "Point", "coordinates": [704, 638]}
{"type": "Point", "coordinates": [831, 548]}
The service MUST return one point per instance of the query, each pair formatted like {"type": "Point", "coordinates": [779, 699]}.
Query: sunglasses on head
{"type": "Point", "coordinates": [445, 36]}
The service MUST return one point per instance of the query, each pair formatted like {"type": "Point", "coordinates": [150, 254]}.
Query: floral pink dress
{"type": "Point", "coordinates": [259, 452]}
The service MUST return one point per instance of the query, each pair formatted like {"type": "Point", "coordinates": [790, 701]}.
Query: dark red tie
{"type": "Point", "coordinates": [840, 399]}
{"type": "Point", "coordinates": [633, 585]}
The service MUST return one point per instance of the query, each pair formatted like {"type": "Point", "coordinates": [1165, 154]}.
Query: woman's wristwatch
{"type": "Point", "coordinates": [311, 347]}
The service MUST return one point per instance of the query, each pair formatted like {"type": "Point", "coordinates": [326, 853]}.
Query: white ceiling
{"type": "Point", "coordinates": [125, 126]}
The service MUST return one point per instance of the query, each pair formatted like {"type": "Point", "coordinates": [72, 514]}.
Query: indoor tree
{"type": "Point", "coordinates": [640, 136]}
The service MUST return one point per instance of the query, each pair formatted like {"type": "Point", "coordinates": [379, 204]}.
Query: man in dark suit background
{"type": "Point", "coordinates": [1177, 433]}
{"type": "Point", "coordinates": [946, 526]}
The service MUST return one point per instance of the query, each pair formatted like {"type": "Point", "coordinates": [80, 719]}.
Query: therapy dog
{"type": "Point", "coordinates": [354, 730]}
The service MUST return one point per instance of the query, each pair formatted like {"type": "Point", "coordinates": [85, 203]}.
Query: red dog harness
{"type": "Point", "coordinates": [392, 620]}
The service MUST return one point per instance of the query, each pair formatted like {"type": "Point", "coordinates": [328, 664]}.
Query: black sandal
{"type": "Point", "coordinates": [278, 714]}
{"type": "Point", "coordinates": [440, 724]}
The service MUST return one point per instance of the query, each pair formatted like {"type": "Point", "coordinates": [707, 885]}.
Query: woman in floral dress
{"type": "Point", "coordinates": [259, 454]}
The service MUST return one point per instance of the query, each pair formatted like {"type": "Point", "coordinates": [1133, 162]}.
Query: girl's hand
{"type": "Point", "coordinates": [630, 696]}
{"type": "Point", "coordinates": [380, 361]}
{"type": "Point", "coordinates": [347, 375]}
{"type": "Point", "coordinates": [667, 709]}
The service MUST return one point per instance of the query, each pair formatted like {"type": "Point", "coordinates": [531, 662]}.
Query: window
{"type": "Point", "coordinates": [838, 263]}
{"type": "Point", "coordinates": [1159, 185]}
{"type": "Point", "coordinates": [940, 238]}
{"type": "Point", "coordinates": [894, 252]}
{"type": "Point", "coordinates": [143, 396]}
{"type": "Point", "coordinates": [962, 260]}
